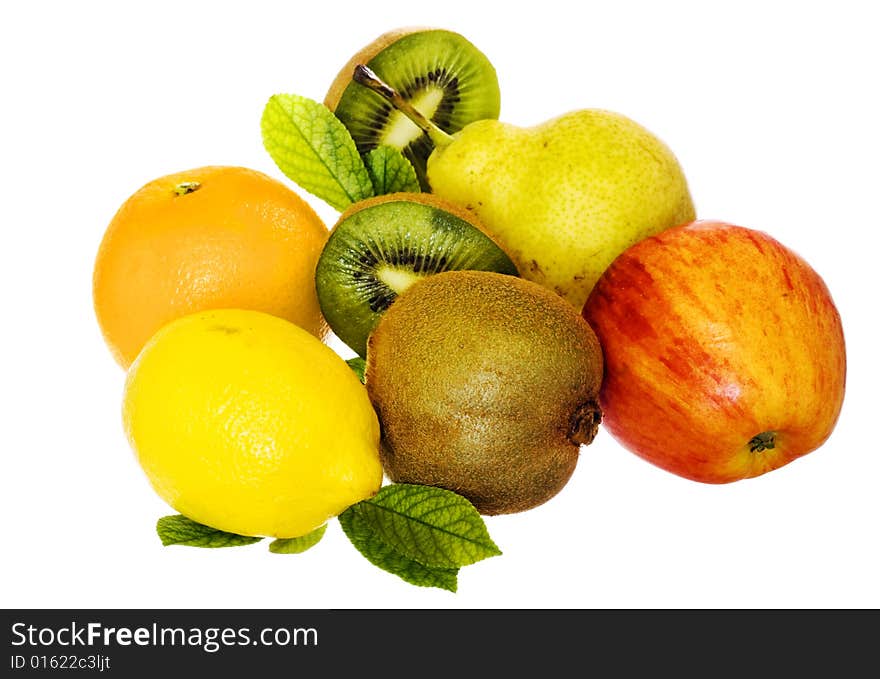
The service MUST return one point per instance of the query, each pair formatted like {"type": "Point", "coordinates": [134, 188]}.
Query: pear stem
{"type": "Point", "coordinates": [366, 77]}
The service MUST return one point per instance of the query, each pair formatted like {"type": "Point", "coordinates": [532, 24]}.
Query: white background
{"type": "Point", "coordinates": [771, 109]}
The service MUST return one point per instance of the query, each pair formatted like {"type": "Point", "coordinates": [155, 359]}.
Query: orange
{"type": "Point", "coordinates": [209, 238]}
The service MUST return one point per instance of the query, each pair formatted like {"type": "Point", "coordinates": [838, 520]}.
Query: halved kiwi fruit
{"type": "Point", "coordinates": [439, 72]}
{"type": "Point", "coordinates": [381, 246]}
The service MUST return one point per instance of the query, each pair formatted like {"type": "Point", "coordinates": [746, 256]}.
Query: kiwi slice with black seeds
{"type": "Point", "coordinates": [381, 246]}
{"type": "Point", "coordinates": [438, 71]}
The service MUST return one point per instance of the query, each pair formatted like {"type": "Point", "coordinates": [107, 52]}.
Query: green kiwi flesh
{"type": "Point", "coordinates": [440, 72]}
{"type": "Point", "coordinates": [381, 246]}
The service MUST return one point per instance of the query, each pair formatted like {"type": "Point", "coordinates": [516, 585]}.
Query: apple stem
{"type": "Point", "coordinates": [766, 440]}
{"type": "Point", "coordinates": [365, 76]}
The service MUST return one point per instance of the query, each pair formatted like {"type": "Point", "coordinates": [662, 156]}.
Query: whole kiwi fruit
{"type": "Point", "coordinates": [484, 384]}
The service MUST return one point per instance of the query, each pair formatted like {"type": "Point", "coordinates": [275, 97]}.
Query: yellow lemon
{"type": "Point", "coordinates": [247, 423]}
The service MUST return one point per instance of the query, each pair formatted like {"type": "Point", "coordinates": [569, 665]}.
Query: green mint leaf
{"type": "Point", "coordinates": [179, 530]}
{"type": "Point", "coordinates": [365, 540]}
{"type": "Point", "coordinates": [298, 545]}
{"type": "Point", "coordinates": [313, 148]}
{"type": "Point", "coordinates": [433, 526]}
{"type": "Point", "coordinates": [359, 366]}
{"type": "Point", "coordinates": [390, 171]}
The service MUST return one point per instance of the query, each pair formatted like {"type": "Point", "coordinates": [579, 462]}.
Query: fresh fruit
{"type": "Point", "coordinates": [485, 385]}
{"type": "Point", "coordinates": [724, 352]}
{"type": "Point", "coordinates": [440, 72]}
{"type": "Point", "coordinates": [248, 424]}
{"type": "Point", "coordinates": [563, 198]}
{"type": "Point", "coordinates": [381, 246]}
{"type": "Point", "coordinates": [206, 238]}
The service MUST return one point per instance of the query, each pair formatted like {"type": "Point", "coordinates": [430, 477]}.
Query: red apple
{"type": "Point", "coordinates": [724, 352]}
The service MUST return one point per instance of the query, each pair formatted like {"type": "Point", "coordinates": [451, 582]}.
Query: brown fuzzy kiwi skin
{"type": "Point", "coordinates": [486, 385]}
{"type": "Point", "coordinates": [364, 56]}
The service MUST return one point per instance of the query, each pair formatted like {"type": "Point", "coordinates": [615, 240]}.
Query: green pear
{"type": "Point", "coordinates": [563, 198]}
